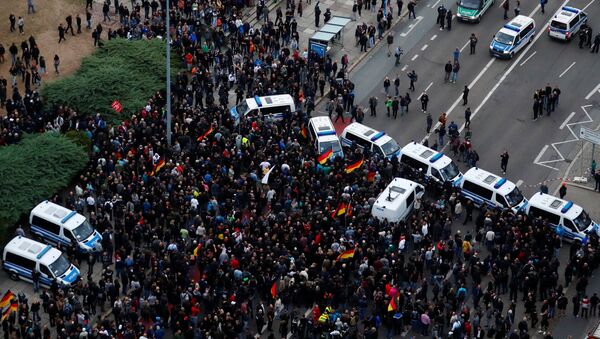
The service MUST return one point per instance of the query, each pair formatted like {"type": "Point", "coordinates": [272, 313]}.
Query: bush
{"type": "Point", "coordinates": [130, 71]}
{"type": "Point", "coordinates": [34, 170]}
{"type": "Point", "coordinates": [80, 138]}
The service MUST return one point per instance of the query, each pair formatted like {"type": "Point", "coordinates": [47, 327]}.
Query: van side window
{"type": "Point", "coordinates": [501, 200]}
{"type": "Point", "coordinates": [311, 130]}
{"type": "Point", "coordinates": [272, 110]}
{"type": "Point", "coordinates": [526, 30]}
{"type": "Point", "coordinates": [377, 150]}
{"type": "Point", "coordinates": [45, 224]}
{"type": "Point", "coordinates": [478, 190]}
{"type": "Point", "coordinates": [412, 163]}
{"type": "Point", "coordinates": [45, 271]}
{"type": "Point", "coordinates": [359, 141]}
{"type": "Point", "coordinates": [574, 21]}
{"type": "Point", "coordinates": [436, 174]}
{"type": "Point", "coordinates": [569, 225]}
{"type": "Point", "coordinates": [545, 215]}
{"type": "Point", "coordinates": [410, 199]}
{"type": "Point", "coordinates": [20, 261]}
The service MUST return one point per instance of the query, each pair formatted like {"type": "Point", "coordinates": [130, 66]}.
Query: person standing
{"type": "Point", "coordinates": [597, 179]}
{"type": "Point", "coordinates": [88, 19]}
{"type": "Point", "coordinates": [542, 5]}
{"type": "Point", "coordinates": [465, 96]}
{"type": "Point", "coordinates": [472, 43]}
{"type": "Point", "coordinates": [69, 20]}
{"type": "Point", "coordinates": [596, 45]}
{"type": "Point", "coordinates": [373, 106]}
{"type": "Point", "coordinates": [429, 123]}
{"type": "Point", "coordinates": [89, 4]}
{"type": "Point", "coordinates": [536, 108]}
{"type": "Point", "coordinates": [13, 20]}
{"type": "Point", "coordinates": [61, 33]}
{"type": "Point", "coordinates": [449, 19]}
{"type": "Point", "coordinates": [413, 78]}
{"type": "Point", "coordinates": [78, 21]}
{"type": "Point", "coordinates": [105, 10]}
{"type": "Point", "coordinates": [397, 85]}
{"type": "Point", "coordinates": [455, 70]}
{"type": "Point", "coordinates": [424, 102]}
{"type": "Point", "coordinates": [562, 191]}
{"type": "Point", "coordinates": [390, 41]}
{"type": "Point", "coordinates": [30, 7]}
{"type": "Point", "coordinates": [35, 278]}
{"type": "Point", "coordinates": [21, 24]}
{"type": "Point", "coordinates": [386, 85]}
{"type": "Point", "coordinates": [504, 161]}
{"type": "Point", "coordinates": [441, 16]}
{"type": "Point", "coordinates": [317, 14]}
{"type": "Point", "coordinates": [505, 7]}
{"type": "Point", "coordinates": [448, 71]}
{"type": "Point", "coordinates": [517, 8]}
{"type": "Point", "coordinates": [411, 9]}
{"type": "Point", "coordinates": [468, 117]}
{"type": "Point", "coordinates": [56, 63]}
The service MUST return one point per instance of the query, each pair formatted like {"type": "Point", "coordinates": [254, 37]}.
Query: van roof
{"type": "Point", "coordinates": [33, 250]}
{"type": "Point", "coordinates": [566, 14]}
{"type": "Point", "coordinates": [492, 181]}
{"type": "Point", "coordinates": [516, 25]}
{"type": "Point", "coordinates": [557, 205]}
{"type": "Point", "coordinates": [397, 191]}
{"type": "Point", "coordinates": [58, 214]}
{"type": "Point", "coordinates": [377, 137]}
{"type": "Point", "coordinates": [270, 100]}
{"type": "Point", "coordinates": [427, 155]}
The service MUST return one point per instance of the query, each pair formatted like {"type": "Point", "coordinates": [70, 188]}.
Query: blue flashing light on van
{"type": "Point", "coordinates": [567, 207]}
{"type": "Point", "coordinates": [64, 220]}
{"type": "Point", "coordinates": [500, 182]}
{"type": "Point", "coordinates": [377, 136]}
{"type": "Point", "coordinates": [436, 157]}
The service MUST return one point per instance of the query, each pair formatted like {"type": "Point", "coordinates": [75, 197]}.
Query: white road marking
{"type": "Point", "coordinates": [531, 56]}
{"type": "Point", "coordinates": [566, 70]}
{"type": "Point", "coordinates": [425, 90]}
{"type": "Point", "coordinates": [404, 68]}
{"type": "Point", "coordinates": [435, 4]}
{"type": "Point", "coordinates": [424, 47]}
{"type": "Point", "coordinates": [539, 156]}
{"type": "Point", "coordinates": [592, 92]}
{"type": "Point", "coordinates": [417, 20]}
{"type": "Point", "coordinates": [465, 45]}
{"type": "Point", "coordinates": [519, 183]}
{"type": "Point", "coordinates": [435, 36]}
{"type": "Point", "coordinates": [566, 120]}
{"type": "Point", "coordinates": [588, 5]}
{"type": "Point", "coordinates": [414, 57]}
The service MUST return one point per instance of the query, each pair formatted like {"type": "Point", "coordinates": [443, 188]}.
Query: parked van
{"type": "Point", "coordinates": [566, 23]}
{"type": "Point", "coordinates": [274, 107]}
{"type": "Point", "coordinates": [483, 187]}
{"type": "Point", "coordinates": [323, 135]}
{"type": "Point", "coordinates": [472, 10]}
{"type": "Point", "coordinates": [369, 139]}
{"type": "Point", "coordinates": [61, 226]}
{"type": "Point", "coordinates": [397, 200]}
{"type": "Point", "coordinates": [571, 218]}
{"type": "Point", "coordinates": [22, 255]}
{"type": "Point", "coordinates": [512, 37]}
{"type": "Point", "coordinates": [435, 165]}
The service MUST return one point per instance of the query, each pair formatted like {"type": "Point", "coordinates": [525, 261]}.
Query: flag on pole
{"type": "Point", "coordinates": [350, 168]}
{"type": "Point", "coordinates": [116, 105]}
{"type": "Point", "coordinates": [5, 301]}
{"type": "Point", "coordinates": [274, 290]}
{"type": "Point", "coordinates": [392, 305]}
{"type": "Point", "coordinates": [5, 314]}
{"type": "Point", "coordinates": [207, 133]}
{"type": "Point", "coordinates": [349, 210]}
{"type": "Point", "coordinates": [322, 159]}
{"type": "Point", "coordinates": [14, 306]}
{"type": "Point", "coordinates": [158, 166]}
{"type": "Point", "coordinates": [197, 249]}
{"type": "Point", "coordinates": [348, 254]}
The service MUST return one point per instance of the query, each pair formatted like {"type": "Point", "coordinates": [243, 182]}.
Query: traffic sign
{"type": "Point", "coordinates": [590, 135]}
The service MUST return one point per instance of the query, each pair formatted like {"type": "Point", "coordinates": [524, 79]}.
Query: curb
{"type": "Point", "coordinates": [581, 186]}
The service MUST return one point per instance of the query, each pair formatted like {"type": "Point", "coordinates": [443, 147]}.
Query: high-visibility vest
{"type": "Point", "coordinates": [324, 318]}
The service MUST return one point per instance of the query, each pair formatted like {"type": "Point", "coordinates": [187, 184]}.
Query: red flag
{"type": "Point", "coordinates": [349, 210]}
{"type": "Point", "coordinates": [388, 288]}
{"type": "Point", "coordinates": [354, 166]}
{"type": "Point", "coordinates": [392, 306]}
{"type": "Point", "coordinates": [158, 166]}
{"type": "Point", "coordinates": [348, 254]}
{"type": "Point", "coordinates": [304, 132]}
{"type": "Point", "coordinates": [210, 130]}
{"type": "Point", "coordinates": [274, 290]}
{"type": "Point", "coordinates": [371, 176]}
{"type": "Point", "coordinates": [116, 105]}
{"type": "Point", "coordinates": [322, 159]}
{"type": "Point", "coordinates": [8, 296]}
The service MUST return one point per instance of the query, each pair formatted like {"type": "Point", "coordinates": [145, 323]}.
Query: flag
{"type": "Point", "coordinates": [5, 301]}
{"type": "Point", "coordinates": [349, 210]}
{"type": "Point", "coordinates": [158, 166]}
{"type": "Point", "coordinates": [348, 254]}
{"type": "Point", "coordinates": [116, 105]}
{"type": "Point", "coordinates": [5, 314]}
{"type": "Point", "coordinates": [274, 290]}
{"type": "Point", "coordinates": [210, 130]}
{"type": "Point", "coordinates": [265, 179]}
{"type": "Point", "coordinates": [354, 166]}
{"type": "Point", "coordinates": [304, 132]}
{"type": "Point", "coordinates": [371, 176]}
{"type": "Point", "coordinates": [341, 209]}
{"type": "Point", "coordinates": [325, 156]}
{"type": "Point", "coordinates": [392, 305]}
{"type": "Point", "coordinates": [14, 306]}
{"type": "Point", "coordinates": [197, 249]}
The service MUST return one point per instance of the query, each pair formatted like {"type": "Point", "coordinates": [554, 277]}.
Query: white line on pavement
{"type": "Point", "coordinates": [531, 56]}
{"type": "Point", "coordinates": [566, 120]}
{"type": "Point", "coordinates": [588, 5]}
{"type": "Point", "coordinates": [417, 20]}
{"type": "Point", "coordinates": [566, 70]}
{"type": "Point", "coordinates": [414, 57]}
{"type": "Point", "coordinates": [424, 47]}
{"type": "Point", "coordinates": [433, 37]}
{"type": "Point", "coordinates": [519, 183]}
{"type": "Point", "coordinates": [592, 92]}
{"type": "Point", "coordinates": [465, 46]}
{"type": "Point", "coordinates": [435, 4]}
{"type": "Point", "coordinates": [425, 90]}
{"type": "Point", "coordinates": [404, 68]}
{"type": "Point", "coordinates": [539, 156]}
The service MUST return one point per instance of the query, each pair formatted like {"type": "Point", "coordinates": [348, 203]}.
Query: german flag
{"type": "Point", "coordinates": [5, 301]}
{"type": "Point", "coordinates": [322, 159]}
{"type": "Point", "coordinates": [349, 210]}
{"type": "Point", "coordinates": [341, 209]}
{"type": "Point", "coordinates": [158, 166]}
{"type": "Point", "coordinates": [304, 132]}
{"type": "Point", "coordinates": [392, 305]}
{"type": "Point", "coordinates": [274, 290]}
{"type": "Point", "coordinates": [371, 176]}
{"type": "Point", "coordinates": [348, 254]}
{"type": "Point", "coordinates": [197, 249]}
{"type": "Point", "coordinates": [350, 168]}
{"type": "Point", "coordinates": [207, 133]}
{"type": "Point", "coordinates": [5, 314]}
{"type": "Point", "coordinates": [14, 306]}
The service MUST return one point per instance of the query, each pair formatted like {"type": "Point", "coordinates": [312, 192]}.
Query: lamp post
{"type": "Point", "coordinates": [169, 117]}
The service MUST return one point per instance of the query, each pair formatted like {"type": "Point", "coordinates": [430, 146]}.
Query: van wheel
{"type": "Point", "coordinates": [512, 55]}
{"type": "Point", "coordinates": [14, 276]}
{"type": "Point", "coordinates": [478, 19]}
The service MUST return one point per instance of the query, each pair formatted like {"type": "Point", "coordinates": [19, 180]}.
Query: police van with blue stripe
{"type": "Point", "coordinates": [22, 255]}
{"type": "Point", "coordinates": [485, 188]}
{"type": "Point", "coordinates": [570, 221]}
{"type": "Point", "coordinates": [566, 23]}
{"type": "Point", "coordinates": [370, 140]}
{"type": "Point", "coordinates": [271, 107]}
{"type": "Point", "coordinates": [323, 135]}
{"type": "Point", "coordinates": [512, 37]}
{"type": "Point", "coordinates": [62, 227]}
{"type": "Point", "coordinates": [434, 165]}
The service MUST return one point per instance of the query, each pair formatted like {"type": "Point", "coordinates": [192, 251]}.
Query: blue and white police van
{"type": "Point", "coordinates": [22, 255]}
{"type": "Point", "coordinates": [60, 226]}
{"type": "Point", "coordinates": [365, 137]}
{"type": "Point", "coordinates": [271, 107]}
{"type": "Point", "coordinates": [322, 133]}
{"type": "Point", "coordinates": [566, 23]}
{"type": "Point", "coordinates": [434, 165]}
{"type": "Point", "coordinates": [512, 37]}
{"type": "Point", "coordinates": [483, 187]}
{"type": "Point", "coordinates": [572, 220]}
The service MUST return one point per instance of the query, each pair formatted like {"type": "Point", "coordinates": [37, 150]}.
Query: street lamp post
{"type": "Point", "coordinates": [169, 118]}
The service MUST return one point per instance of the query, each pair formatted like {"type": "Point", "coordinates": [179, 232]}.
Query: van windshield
{"type": "Point", "coordinates": [60, 266]}
{"type": "Point", "coordinates": [515, 197]}
{"type": "Point", "coordinates": [470, 4]}
{"type": "Point", "coordinates": [504, 38]}
{"type": "Point", "coordinates": [390, 147]}
{"type": "Point", "coordinates": [583, 220]}
{"type": "Point", "coordinates": [83, 231]}
{"type": "Point", "coordinates": [450, 171]}
{"type": "Point", "coordinates": [242, 108]}
{"type": "Point", "coordinates": [326, 145]}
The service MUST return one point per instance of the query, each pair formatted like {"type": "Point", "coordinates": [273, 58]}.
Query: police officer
{"type": "Point", "coordinates": [373, 106]}
{"type": "Point", "coordinates": [424, 102]}
{"type": "Point", "coordinates": [596, 46]}
{"type": "Point", "coordinates": [582, 38]}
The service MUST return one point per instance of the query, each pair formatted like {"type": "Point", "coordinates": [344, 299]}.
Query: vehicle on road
{"type": "Point", "coordinates": [397, 201]}
{"type": "Point", "coordinates": [483, 187]}
{"type": "Point", "coordinates": [273, 107]}
{"type": "Point", "coordinates": [472, 10]}
{"type": "Point", "coordinates": [435, 165]}
{"type": "Point", "coordinates": [62, 227]}
{"type": "Point", "coordinates": [512, 37]}
{"type": "Point", "coordinates": [370, 140]}
{"type": "Point", "coordinates": [566, 23]}
{"type": "Point", "coordinates": [22, 255]}
{"type": "Point", "coordinates": [573, 220]}
{"type": "Point", "coordinates": [323, 135]}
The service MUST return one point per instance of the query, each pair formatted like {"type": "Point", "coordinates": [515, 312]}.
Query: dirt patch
{"type": "Point", "coordinates": [43, 26]}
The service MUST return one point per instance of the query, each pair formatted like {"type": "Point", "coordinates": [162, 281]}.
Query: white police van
{"type": "Point", "coordinates": [566, 23]}
{"type": "Point", "coordinates": [22, 255]}
{"type": "Point", "coordinates": [323, 135]}
{"type": "Point", "coordinates": [369, 139]}
{"type": "Point", "coordinates": [397, 200]}
{"type": "Point", "coordinates": [61, 226]}
{"type": "Point", "coordinates": [435, 165]}
{"type": "Point", "coordinates": [273, 107]}
{"type": "Point", "coordinates": [572, 220]}
{"type": "Point", "coordinates": [483, 187]}
{"type": "Point", "coordinates": [512, 37]}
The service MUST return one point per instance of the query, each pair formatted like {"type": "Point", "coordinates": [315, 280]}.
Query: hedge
{"type": "Point", "coordinates": [130, 71]}
{"type": "Point", "coordinates": [32, 171]}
